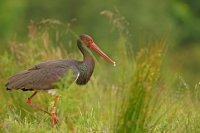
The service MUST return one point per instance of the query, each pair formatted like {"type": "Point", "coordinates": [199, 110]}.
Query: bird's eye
{"type": "Point", "coordinates": [88, 42]}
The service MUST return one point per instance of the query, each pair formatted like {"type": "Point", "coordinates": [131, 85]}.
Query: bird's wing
{"type": "Point", "coordinates": [43, 76]}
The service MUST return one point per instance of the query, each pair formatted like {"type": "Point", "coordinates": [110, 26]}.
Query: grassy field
{"type": "Point", "coordinates": [136, 96]}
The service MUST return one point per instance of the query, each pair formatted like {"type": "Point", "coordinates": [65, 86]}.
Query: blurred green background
{"type": "Point", "coordinates": [153, 89]}
{"type": "Point", "coordinates": [177, 21]}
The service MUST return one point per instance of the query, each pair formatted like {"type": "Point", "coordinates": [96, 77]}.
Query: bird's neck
{"type": "Point", "coordinates": [86, 66]}
{"type": "Point", "coordinates": [87, 57]}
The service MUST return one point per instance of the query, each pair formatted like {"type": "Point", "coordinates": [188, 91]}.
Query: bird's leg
{"type": "Point", "coordinates": [28, 101]}
{"type": "Point", "coordinates": [52, 114]}
{"type": "Point", "coordinates": [54, 118]}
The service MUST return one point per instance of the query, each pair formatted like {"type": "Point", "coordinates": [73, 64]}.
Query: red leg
{"type": "Point", "coordinates": [53, 115]}
{"type": "Point", "coordinates": [34, 105]}
{"type": "Point", "coordinates": [54, 118]}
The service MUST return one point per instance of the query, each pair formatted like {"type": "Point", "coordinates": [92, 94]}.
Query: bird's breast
{"type": "Point", "coordinates": [85, 71]}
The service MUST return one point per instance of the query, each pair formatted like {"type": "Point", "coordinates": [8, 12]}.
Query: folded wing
{"type": "Point", "coordinates": [43, 76]}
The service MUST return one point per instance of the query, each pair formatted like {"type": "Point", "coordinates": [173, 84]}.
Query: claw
{"type": "Point", "coordinates": [54, 119]}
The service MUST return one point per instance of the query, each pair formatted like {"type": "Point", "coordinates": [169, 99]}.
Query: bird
{"type": "Point", "coordinates": [43, 76]}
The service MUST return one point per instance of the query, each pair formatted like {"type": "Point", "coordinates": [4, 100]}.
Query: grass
{"type": "Point", "coordinates": [134, 97]}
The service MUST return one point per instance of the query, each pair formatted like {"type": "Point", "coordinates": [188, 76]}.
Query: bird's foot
{"type": "Point", "coordinates": [54, 119]}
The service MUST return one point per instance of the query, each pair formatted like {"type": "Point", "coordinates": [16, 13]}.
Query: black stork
{"type": "Point", "coordinates": [43, 76]}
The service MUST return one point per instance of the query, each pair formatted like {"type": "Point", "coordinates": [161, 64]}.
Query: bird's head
{"type": "Point", "coordinates": [88, 41]}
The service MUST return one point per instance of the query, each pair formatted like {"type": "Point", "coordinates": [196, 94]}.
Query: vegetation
{"type": "Point", "coordinates": [145, 92]}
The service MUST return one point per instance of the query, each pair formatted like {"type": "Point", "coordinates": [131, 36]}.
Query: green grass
{"type": "Point", "coordinates": [134, 97]}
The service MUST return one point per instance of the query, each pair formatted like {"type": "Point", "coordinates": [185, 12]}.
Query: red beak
{"type": "Point", "coordinates": [101, 53]}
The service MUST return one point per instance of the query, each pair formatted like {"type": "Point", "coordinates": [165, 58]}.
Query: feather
{"type": "Point", "coordinates": [42, 76]}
